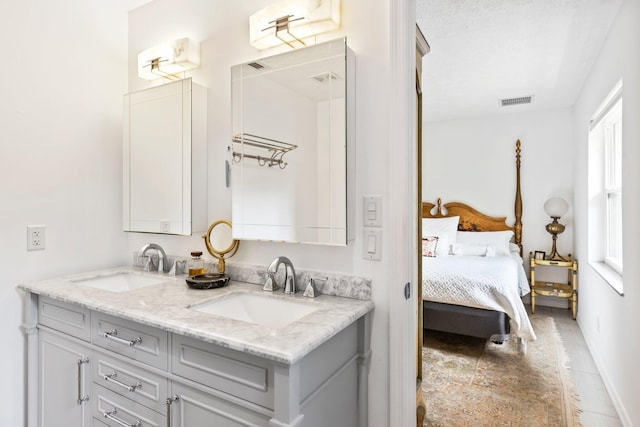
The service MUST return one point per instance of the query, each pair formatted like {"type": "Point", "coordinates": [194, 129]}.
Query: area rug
{"type": "Point", "coordinates": [473, 382]}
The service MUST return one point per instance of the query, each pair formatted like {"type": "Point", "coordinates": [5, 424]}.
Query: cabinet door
{"type": "Point", "coordinates": [195, 408]}
{"type": "Point", "coordinates": [64, 382]}
{"type": "Point", "coordinates": [165, 159]}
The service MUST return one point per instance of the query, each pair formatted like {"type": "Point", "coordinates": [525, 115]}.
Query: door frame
{"type": "Point", "coordinates": [402, 193]}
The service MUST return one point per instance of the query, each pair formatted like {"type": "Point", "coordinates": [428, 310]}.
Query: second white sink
{"type": "Point", "coordinates": [256, 308]}
{"type": "Point", "coordinates": [121, 281]}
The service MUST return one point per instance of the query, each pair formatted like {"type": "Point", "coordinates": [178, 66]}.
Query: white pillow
{"type": "Point", "coordinates": [514, 248]}
{"type": "Point", "coordinates": [445, 229]}
{"type": "Point", "coordinates": [469, 250]}
{"type": "Point", "coordinates": [498, 239]}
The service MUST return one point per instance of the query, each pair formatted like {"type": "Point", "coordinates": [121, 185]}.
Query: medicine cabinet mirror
{"type": "Point", "coordinates": [164, 159]}
{"type": "Point", "coordinates": [289, 146]}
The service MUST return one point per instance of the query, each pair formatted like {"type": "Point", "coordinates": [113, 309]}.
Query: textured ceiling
{"type": "Point", "coordinates": [485, 50]}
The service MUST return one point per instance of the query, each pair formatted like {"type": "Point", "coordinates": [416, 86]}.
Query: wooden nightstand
{"type": "Point", "coordinates": [567, 290]}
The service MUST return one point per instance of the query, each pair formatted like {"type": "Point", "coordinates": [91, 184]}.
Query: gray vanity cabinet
{"type": "Point", "coordinates": [64, 382]}
{"type": "Point", "coordinates": [64, 364]}
{"type": "Point", "coordinates": [92, 369]}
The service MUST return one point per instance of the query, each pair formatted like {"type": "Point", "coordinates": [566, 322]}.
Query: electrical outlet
{"type": "Point", "coordinates": [35, 237]}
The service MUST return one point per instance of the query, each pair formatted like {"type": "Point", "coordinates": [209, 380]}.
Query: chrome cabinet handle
{"type": "Point", "coordinates": [113, 335]}
{"type": "Point", "coordinates": [81, 398]}
{"type": "Point", "coordinates": [111, 415]}
{"type": "Point", "coordinates": [111, 377]}
{"type": "Point", "coordinates": [169, 402]}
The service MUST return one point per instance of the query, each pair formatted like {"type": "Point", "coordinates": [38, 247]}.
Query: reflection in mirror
{"type": "Point", "coordinates": [289, 173]}
{"type": "Point", "coordinates": [220, 242]}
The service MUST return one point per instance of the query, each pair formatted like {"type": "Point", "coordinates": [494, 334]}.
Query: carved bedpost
{"type": "Point", "coordinates": [517, 227]}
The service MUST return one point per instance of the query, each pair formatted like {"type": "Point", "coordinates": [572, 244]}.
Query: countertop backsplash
{"type": "Point", "coordinates": [329, 283]}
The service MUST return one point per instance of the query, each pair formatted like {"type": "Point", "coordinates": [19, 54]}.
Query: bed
{"type": "Point", "coordinates": [473, 293]}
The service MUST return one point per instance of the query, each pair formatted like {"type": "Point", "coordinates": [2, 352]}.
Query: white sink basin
{"type": "Point", "coordinates": [121, 281]}
{"type": "Point", "coordinates": [255, 308]}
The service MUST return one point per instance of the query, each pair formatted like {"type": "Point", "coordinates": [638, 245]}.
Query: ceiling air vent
{"type": "Point", "coordinates": [256, 65]}
{"type": "Point", "coordinates": [506, 102]}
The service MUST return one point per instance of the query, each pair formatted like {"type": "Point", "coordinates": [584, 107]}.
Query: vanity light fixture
{"type": "Point", "coordinates": [292, 21]}
{"type": "Point", "coordinates": [169, 59]}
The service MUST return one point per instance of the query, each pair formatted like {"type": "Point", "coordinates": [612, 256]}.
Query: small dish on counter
{"type": "Point", "coordinates": [208, 281]}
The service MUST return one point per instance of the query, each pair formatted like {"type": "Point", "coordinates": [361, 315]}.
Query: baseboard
{"type": "Point", "coordinates": [608, 384]}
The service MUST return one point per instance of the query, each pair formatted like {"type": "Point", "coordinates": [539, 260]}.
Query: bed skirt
{"type": "Point", "coordinates": [457, 319]}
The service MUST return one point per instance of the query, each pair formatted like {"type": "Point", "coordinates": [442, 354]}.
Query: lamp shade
{"type": "Point", "coordinates": [168, 59]}
{"type": "Point", "coordinates": [305, 18]}
{"type": "Point", "coordinates": [556, 207]}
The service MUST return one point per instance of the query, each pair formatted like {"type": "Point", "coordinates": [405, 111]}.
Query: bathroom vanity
{"type": "Point", "coordinates": [126, 348]}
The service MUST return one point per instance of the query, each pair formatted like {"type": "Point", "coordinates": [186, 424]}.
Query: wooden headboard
{"type": "Point", "coordinates": [473, 220]}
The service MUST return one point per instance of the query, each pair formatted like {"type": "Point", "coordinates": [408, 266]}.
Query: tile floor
{"type": "Point", "coordinates": [595, 404]}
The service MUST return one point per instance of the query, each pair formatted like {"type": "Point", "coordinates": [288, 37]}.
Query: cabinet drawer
{"type": "Point", "coordinates": [247, 377]}
{"type": "Point", "coordinates": [122, 410]}
{"type": "Point", "coordinates": [134, 340]}
{"type": "Point", "coordinates": [95, 422]}
{"type": "Point", "coordinates": [137, 384]}
{"type": "Point", "coordinates": [68, 318]}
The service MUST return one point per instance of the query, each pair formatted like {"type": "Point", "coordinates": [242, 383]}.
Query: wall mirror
{"type": "Point", "coordinates": [289, 146]}
{"type": "Point", "coordinates": [164, 159]}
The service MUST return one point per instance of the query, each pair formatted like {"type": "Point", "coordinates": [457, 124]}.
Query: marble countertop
{"type": "Point", "coordinates": [166, 306]}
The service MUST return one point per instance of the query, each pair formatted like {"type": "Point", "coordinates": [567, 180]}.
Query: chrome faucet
{"type": "Point", "coordinates": [162, 256]}
{"type": "Point", "coordinates": [289, 279]}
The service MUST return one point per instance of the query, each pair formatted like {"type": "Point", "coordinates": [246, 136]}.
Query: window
{"type": "Point", "coordinates": [613, 186]}
{"type": "Point", "coordinates": [605, 189]}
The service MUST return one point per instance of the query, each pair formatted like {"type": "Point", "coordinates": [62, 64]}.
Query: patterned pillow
{"type": "Point", "coordinates": [429, 245]}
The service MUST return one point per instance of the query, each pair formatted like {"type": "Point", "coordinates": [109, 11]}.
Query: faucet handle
{"type": "Point", "coordinates": [311, 290]}
{"type": "Point", "coordinates": [147, 263]}
{"type": "Point", "coordinates": [178, 267]}
{"type": "Point", "coordinates": [270, 284]}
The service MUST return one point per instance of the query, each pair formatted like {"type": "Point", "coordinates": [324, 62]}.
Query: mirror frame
{"type": "Point", "coordinates": [219, 254]}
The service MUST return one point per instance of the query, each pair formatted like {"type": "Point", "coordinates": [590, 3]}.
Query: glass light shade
{"type": "Point", "coordinates": [174, 57]}
{"type": "Point", "coordinates": [556, 207]}
{"type": "Point", "coordinates": [308, 18]}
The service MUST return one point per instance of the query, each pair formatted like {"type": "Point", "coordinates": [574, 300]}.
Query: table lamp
{"type": "Point", "coordinates": [555, 207]}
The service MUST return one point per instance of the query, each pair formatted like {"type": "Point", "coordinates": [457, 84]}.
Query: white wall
{"type": "Point", "coordinates": [473, 161]}
{"type": "Point", "coordinates": [222, 29]}
{"type": "Point", "coordinates": [610, 323]}
{"type": "Point", "coordinates": [64, 70]}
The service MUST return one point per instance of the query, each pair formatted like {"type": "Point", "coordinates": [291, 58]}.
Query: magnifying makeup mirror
{"type": "Point", "coordinates": [220, 242]}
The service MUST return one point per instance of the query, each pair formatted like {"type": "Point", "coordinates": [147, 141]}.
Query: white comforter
{"type": "Point", "coordinates": [494, 283]}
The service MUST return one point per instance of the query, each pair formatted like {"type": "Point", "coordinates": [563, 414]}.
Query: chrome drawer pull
{"type": "Point", "coordinates": [113, 335]}
{"type": "Point", "coordinates": [81, 398]}
{"type": "Point", "coordinates": [111, 416]}
{"type": "Point", "coordinates": [111, 377]}
{"type": "Point", "coordinates": [169, 402]}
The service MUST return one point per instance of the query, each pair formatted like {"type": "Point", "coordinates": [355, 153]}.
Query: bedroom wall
{"type": "Point", "coordinates": [222, 28]}
{"type": "Point", "coordinates": [473, 161]}
{"type": "Point", "coordinates": [64, 69]}
{"type": "Point", "coordinates": [610, 322]}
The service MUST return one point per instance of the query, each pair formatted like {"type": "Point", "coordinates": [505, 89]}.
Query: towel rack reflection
{"type": "Point", "coordinates": [275, 149]}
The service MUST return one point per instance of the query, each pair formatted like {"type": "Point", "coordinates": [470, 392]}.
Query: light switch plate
{"type": "Point", "coordinates": [372, 211]}
{"type": "Point", "coordinates": [372, 244]}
